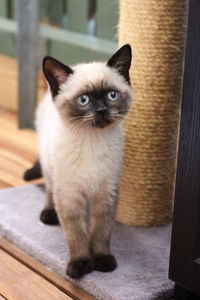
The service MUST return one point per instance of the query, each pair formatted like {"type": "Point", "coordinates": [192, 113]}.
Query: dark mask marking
{"type": "Point", "coordinates": [100, 109]}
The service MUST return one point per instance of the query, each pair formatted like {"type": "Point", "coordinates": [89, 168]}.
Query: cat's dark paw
{"type": "Point", "coordinates": [80, 267]}
{"type": "Point", "coordinates": [49, 216]}
{"type": "Point", "coordinates": [34, 172]}
{"type": "Point", "coordinates": [105, 263]}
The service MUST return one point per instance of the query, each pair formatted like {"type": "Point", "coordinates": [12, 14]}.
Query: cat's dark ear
{"type": "Point", "coordinates": [56, 73]}
{"type": "Point", "coordinates": [121, 61]}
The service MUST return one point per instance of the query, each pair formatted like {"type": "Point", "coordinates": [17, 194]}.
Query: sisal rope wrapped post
{"type": "Point", "coordinates": [156, 31]}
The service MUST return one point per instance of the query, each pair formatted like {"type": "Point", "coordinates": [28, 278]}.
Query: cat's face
{"type": "Point", "coordinates": [94, 95]}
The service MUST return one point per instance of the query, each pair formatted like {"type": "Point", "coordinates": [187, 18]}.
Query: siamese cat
{"type": "Point", "coordinates": [79, 126]}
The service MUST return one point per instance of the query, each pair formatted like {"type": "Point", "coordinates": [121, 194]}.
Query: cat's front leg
{"type": "Point", "coordinates": [71, 209]}
{"type": "Point", "coordinates": [103, 209]}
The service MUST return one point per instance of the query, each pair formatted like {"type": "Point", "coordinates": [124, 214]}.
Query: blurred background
{"type": "Point", "coordinates": [70, 30]}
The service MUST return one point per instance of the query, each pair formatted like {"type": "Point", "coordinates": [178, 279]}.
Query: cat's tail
{"type": "Point", "coordinates": [34, 172]}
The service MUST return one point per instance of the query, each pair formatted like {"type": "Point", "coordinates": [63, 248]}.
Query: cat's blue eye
{"type": "Point", "coordinates": [83, 100]}
{"type": "Point", "coordinates": [112, 95]}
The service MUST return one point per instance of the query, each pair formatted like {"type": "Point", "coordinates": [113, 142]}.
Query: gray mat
{"type": "Point", "coordinates": [142, 253]}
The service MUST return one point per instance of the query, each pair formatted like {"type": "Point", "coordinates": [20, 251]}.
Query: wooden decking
{"type": "Point", "coordinates": [21, 276]}
{"type": "Point", "coordinates": [18, 150]}
{"type": "Point", "coordinates": [8, 86]}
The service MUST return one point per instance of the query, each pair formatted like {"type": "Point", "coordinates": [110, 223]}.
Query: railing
{"type": "Point", "coordinates": [71, 30]}
{"type": "Point", "coordinates": [93, 17]}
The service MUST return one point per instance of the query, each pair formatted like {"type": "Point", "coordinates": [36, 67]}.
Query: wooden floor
{"type": "Point", "coordinates": [18, 150]}
{"type": "Point", "coordinates": [8, 86]}
{"type": "Point", "coordinates": [21, 276]}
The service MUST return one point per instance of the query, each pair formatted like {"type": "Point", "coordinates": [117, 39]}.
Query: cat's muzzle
{"type": "Point", "coordinates": [102, 120]}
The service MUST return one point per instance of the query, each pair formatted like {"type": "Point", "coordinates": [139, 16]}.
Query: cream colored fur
{"type": "Point", "coordinates": [82, 168]}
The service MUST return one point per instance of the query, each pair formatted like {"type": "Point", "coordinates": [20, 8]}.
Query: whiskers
{"type": "Point", "coordinates": [79, 125]}
{"type": "Point", "coordinates": [121, 117]}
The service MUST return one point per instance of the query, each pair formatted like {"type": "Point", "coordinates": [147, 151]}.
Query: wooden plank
{"type": "Point", "coordinates": [4, 8]}
{"type": "Point", "coordinates": [9, 84]}
{"type": "Point", "coordinates": [92, 18]}
{"type": "Point", "coordinates": [26, 139]}
{"type": "Point", "coordinates": [14, 9]}
{"type": "Point", "coordinates": [27, 61]}
{"type": "Point", "coordinates": [56, 12]}
{"type": "Point", "coordinates": [73, 48]}
{"type": "Point", "coordinates": [43, 9]}
{"type": "Point", "coordinates": [15, 176]}
{"type": "Point", "coordinates": [8, 31]}
{"type": "Point", "coordinates": [51, 12]}
{"type": "Point", "coordinates": [8, 46]}
{"type": "Point", "coordinates": [7, 25]}
{"type": "Point", "coordinates": [99, 47]}
{"type": "Point", "coordinates": [185, 247]}
{"type": "Point", "coordinates": [107, 18]}
{"type": "Point", "coordinates": [77, 14]}
{"type": "Point", "coordinates": [92, 8]}
{"type": "Point", "coordinates": [19, 282]}
{"type": "Point", "coordinates": [68, 37]}
{"type": "Point", "coordinates": [18, 151]}
{"type": "Point", "coordinates": [41, 270]}
{"type": "Point", "coordinates": [4, 185]}
{"type": "Point", "coordinates": [70, 54]}
{"type": "Point", "coordinates": [11, 171]}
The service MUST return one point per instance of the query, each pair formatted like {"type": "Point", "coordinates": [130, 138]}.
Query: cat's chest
{"type": "Point", "coordinates": [89, 157]}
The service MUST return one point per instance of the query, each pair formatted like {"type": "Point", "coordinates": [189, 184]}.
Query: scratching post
{"type": "Point", "coordinates": [156, 31]}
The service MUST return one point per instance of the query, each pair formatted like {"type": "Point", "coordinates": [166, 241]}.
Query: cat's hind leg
{"type": "Point", "coordinates": [34, 172]}
{"type": "Point", "coordinates": [49, 215]}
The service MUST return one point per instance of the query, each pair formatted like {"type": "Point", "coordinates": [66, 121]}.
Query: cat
{"type": "Point", "coordinates": [79, 126]}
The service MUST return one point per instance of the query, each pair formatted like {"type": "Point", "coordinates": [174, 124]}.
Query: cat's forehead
{"type": "Point", "coordinates": [93, 76]}
{"type": "Point", "coordinates": [92, 72]}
